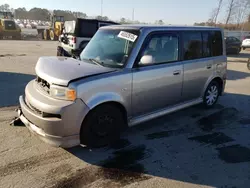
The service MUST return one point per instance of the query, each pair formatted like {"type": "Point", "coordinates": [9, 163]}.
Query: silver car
{"type": "Point", "coordinates": [126, 75]}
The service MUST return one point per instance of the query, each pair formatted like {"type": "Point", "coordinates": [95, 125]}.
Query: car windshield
{"type": "Point", "coordinates": [110, 48]}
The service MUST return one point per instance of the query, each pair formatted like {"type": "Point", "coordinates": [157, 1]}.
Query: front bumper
{"type": "Point", "coordinates": [61, 127]}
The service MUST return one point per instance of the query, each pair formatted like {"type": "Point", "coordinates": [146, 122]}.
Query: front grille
{"type": "Point", "coordinates": [43, 84]}
{"type": "Point", "coordinates": [40, 113]}
{"type": "Point", "coordinates": [34, 109]}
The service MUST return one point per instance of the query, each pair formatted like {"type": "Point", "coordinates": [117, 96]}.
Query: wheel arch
{"type": "Point", "coordinates": [108, 98]}
{"type": "Point", "coordinates": [214, 78]}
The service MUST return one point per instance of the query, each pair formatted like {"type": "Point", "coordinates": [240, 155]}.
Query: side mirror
{"type": "Point", "coordinates": [146, 60]}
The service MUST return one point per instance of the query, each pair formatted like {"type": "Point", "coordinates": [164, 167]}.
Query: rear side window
{"type": "Point", "coordinates": [192, 45]}
{"type": "Point", "coordinates": [202, 44]}
{"type": "Point", "coordinates": [86, 28]}
{"type": "Point", "coordinates": [216, 40]}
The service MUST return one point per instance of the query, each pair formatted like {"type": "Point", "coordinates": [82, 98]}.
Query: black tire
{"type": "Point", "coordinates": [213, 87]}
{"type": "Point", "coordinates": [238, 51]}
{"type": "Point", "coordinates": [248, 64]}
{"type": "Point", "coordinates": [94, 134]}
{"type": "Point", "coordinates": [243, 48]}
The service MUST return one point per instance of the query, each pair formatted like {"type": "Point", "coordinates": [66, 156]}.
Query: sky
{"type": "Point", "coordinates": [170, 11]}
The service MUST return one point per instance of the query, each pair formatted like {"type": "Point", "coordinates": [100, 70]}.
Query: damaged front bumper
{"type": "Point", "coordinates": [57, 141]}
{"type": "Point", "coordinates": [56, 122]}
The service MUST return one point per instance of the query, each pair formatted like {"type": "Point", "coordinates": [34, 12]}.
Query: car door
{"type": "Point", "coordinates": [236, 44]}
{"type": "Point", "coordinates": [157, 85]}
{"type": "Point", "coordinates": [197, 63]}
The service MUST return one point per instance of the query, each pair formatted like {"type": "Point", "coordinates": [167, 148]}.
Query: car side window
{"type": "Point", "coordinates": [163, 48]}
{"type": "Point", "coordinates": [192, 45]}
{"type": "Point", "coordinates": [236, 39]}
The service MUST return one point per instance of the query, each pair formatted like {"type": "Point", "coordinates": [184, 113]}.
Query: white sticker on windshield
{"type": "Point", "coordinates": [128, 36]}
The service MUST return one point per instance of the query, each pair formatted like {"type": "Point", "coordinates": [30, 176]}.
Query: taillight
{"type": "Point", "coordinates": [74, 40]}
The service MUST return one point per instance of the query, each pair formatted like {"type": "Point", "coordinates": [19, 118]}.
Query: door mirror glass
{"type": "Point", "coordinates": [146, 60]}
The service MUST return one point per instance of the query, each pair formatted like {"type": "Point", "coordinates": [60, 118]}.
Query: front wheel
{"type": "Point", "coordinates": [102, 126]}
{"type": "Point", "coordinates": [238, 51]}
{"type": "Point", "coordinates": [211, 94]}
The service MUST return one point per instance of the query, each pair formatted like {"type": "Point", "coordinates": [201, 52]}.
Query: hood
{"type": "Point", "coordinates": [61, 70]}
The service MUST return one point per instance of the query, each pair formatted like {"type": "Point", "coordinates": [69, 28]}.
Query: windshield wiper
{"type": "Point", "coordinates": [96, 62]}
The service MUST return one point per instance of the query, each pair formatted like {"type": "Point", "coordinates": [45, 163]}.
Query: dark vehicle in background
{"type": "Point", "coordinates": [233, 45]}
{"type": "Point", "coordinates": [76, 35]}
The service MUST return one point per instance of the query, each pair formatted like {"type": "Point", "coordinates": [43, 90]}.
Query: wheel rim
{"type": "Point", "coordinates": [212, 95]}
{"type": "Point", "coordinates": [52, 35]}
{"type": "Point", "coordinates": [103, 125]}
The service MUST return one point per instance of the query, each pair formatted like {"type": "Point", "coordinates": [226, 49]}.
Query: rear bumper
{"type": "Point", "coordinates": [61, 127]}
{"type": "Point", "coordinates": [245, 45]}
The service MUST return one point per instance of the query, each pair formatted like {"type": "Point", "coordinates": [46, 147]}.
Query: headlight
{"type": "Point", "coordinates": [62, 93]}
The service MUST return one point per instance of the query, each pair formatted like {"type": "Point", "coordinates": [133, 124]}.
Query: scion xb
{"type": "Point", "coordinates": [126, 75]}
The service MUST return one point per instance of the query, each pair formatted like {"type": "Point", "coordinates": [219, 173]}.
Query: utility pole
{"type": "Point", "coordinates": [133, 14]}
{"type": "Point", "coordinates": [101, 7]}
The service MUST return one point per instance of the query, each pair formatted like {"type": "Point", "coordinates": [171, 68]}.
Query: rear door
{"type": "Point", "coordinates": [197, 61]}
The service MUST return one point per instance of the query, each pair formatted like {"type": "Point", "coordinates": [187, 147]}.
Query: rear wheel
{"type": "Point", "coordinates": [211, 94]}
{"type": "Point", "coordinates": [243, 48]}
{"type": "Point", "coordinates": [102, 126]}
{"type": "Point", "coordinates": [238, 50]}
{"type": "Point", "coordinates": [52, 35]}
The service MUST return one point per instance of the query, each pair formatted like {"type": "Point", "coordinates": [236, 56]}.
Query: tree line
{"type": "Point", "coordinates": [44, 15]}
{"type": "Point", "coordinates": [236, 15]}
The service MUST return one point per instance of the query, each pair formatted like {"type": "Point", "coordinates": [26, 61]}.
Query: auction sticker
{"type": "Point", "coordinates": [128, 36]}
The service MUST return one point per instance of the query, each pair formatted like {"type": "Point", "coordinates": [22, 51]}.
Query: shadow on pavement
{"type": "Point", "coordinates": [241, 58]}
{"type": "Point", "coordinates": [193, 145]}
{"type": "Point", "coordinates": [12, 85]}
{"type": "Point", "coordinates": [237, 75]}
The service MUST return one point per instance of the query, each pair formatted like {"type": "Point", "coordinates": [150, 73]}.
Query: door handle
{"type": "Point", "coordinates": [209, 66]}
{"type": "Point", "coordinates": [176, 72]}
